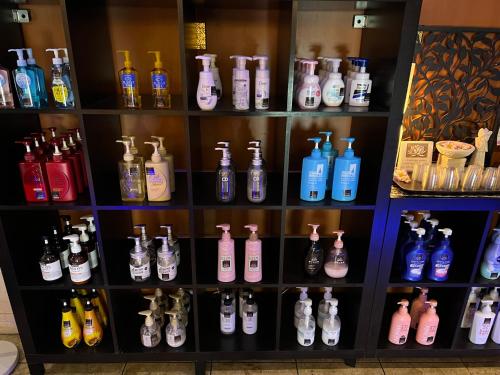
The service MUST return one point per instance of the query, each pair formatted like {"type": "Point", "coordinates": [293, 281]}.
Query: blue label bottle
{"type": "Point", "coordinates": [314, 174]}
{"type": "Point", "coordinates": [25, 80]}
{"type": "Point", "coordinates": [415, 256]}
{"type": "Point", "coordinates": [346, 174]}
{"type": "Point", "coordinates": [328, 152]}
{"type": "Point", "coordinates": [40, 79]}
{"type": "Point", "coordinates": [441, 258]}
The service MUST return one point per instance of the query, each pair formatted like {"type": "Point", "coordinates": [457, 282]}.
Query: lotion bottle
{"type": "Point", "coordinates": [330, 333]}
{"type": "Point", "coordinates": [92, 329]}
{"type": "Point", "coordinates": [418, 307]}
{"type": "Point", "coordinates": [50, 264]}
{"type": "Point", "coordinates": [314, 258]}
{"type": "Point", "coordinates": [33, 176]}
{"type": "Point", "coordinates": [71, 333]}
{"type": "Point", "coordinates": [337, 261]}
{"type": "Point", "coordinates": [490, 266]}
{"type": "Point", "coordinates": [170, 160]}
{"type": "Point", "coordinates": [328, 152]}
{"type": "Point", "coordinates": [241, 83]}
{"type": "Point", "coordinates": [165, 261]}
{"type": "Point", "coordinates": [157, 176]}
{"type": "Point", "coordinates": [441, 258]}
{"type": "Point", "coordinates": [309, 93]}
{"type": "Point", "coordinates": [159, 83]}
{"type": "Point", "coordinates": [314, 174]}
{"type": "Point", "coordinates": [307, 327]}
{"type": "Point", "coordinates": [139, 265]}
{"type": "Point", "coordinates": [175, 332]}
{"type": "Point", "coordinates": [79, 267]}
{"type": "Point", "coordinates": [25, 81]}
{"type": "Point", "coordinates": [150, 331]}
{"type": "Point", "coordinates": [400, 324]}
{"type": "Point", "coordinates": [262, 83]}
{"type": "Point", "coordinates": [428, 324]}
{"type": "Point", "coordinates": [250, 315]}
{"type": "Point", "coordinates": [225, 181]}
{"type": "Point", "coordinates": [173, 242]}
{"type": "Point", "coordinates": [226, 270]}
{"type": "Point", "coordinates": [131, 174]}
{"type": "Point", "coordinates": [324, 306]}
{"type": "Point", "coordinates": [206, 94]}
{"type": "Point", "coordinates": [61, 177]}
{"type": "Point", "coordinates": [215, 72]}
{"type": "Point", "coordinates": [361, 86]}
{"type": "Point", "coordinates": [299, 307]}
{"type": "Point", "coordinates": [227, 316]}
{"type": "Point", "coordinates": [253, 256]}
{"type": "Point", "coordinates": [346, 174]}
{"type": "Point", "coordinates": [333, 88]}
{"type": "Point", "coordinates": [129, 82]}
{"type": "Point", "coordinates": [482, 323]}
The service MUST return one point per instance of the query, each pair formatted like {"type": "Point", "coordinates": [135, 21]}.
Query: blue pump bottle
{"type": "Point", "coordinates": [415, 256]}
{"type": "Point", "coordinates": [314, 174]}
{"type": "Point", "coordinates": [346, 174]}
{"type": "Point", "coordinates": [328, 152]}
{"type": "Point", "coordinates": [40, 75]}
{"type": "Point", "coordinates": [441, 258]}
{"type": "Point", "coordinates": [431, 234]}
{"type": "Point", "coordinates": [25, 80]}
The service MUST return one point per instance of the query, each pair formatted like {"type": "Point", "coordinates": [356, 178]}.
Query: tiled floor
{"type": "Point", "coordinates": [400, 366]}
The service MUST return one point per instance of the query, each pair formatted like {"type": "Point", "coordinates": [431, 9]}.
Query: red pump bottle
{"type": "Point", "coordinates": [75, 163]}
{"type": "Point", "coordinates": [61, 176]}
{"type": "Point", "coordinates": [78, 150]}
{"type": "Point", "coordinates": [33, 176]}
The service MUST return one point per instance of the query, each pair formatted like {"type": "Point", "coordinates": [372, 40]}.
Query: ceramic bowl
{"type": "Point", "coordinates": [455, 149]}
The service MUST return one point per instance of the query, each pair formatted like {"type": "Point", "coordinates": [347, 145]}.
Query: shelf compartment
{"type": "Point", "coordinates": [480, 280]}
{"type": "Point", "coordinates": [212, 340]}
{"type": "Point", "coordinates": [43, 310]}
{"type": "Point", "coordinates": [462, 342]}
{"type": "Point", "coordinates": [348, 311]}
{"type": "Point", "coordinates": [342, 111]}
{"type": "Point", "coordinates": [128, 324]}
{"type": "Point", "coordinates": [113, 106]}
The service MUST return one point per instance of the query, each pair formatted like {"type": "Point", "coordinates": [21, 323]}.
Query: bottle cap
{"type": "Point", "coordinates": [20, 57]}
{"type": "Point", "coordinates": [65, 58]}
{"type": "Point", "coordinates": [253, 228]}
{"type": "Point", "coordinates": [158, 64]}
{"type": "Point", "coordinates": [149, 321]}
{"type": "Point", "coordinates": [240, 61]}
{"type": "Point", "coordinates": [205, 61]}
{"type": "Point", "coordinates": [316, 153]}
{"type": "Point", "coordinates": [314, 236]}
{"type": "Point", "coordinates": [164, 243]}
{"type": "Point", "coordinates": [303, 293]}
{"type": "Point", "coordinates": [142, 227]}
{"type": "Point", "coordinates": [446, 232]}
{"type": "Point", "coordinates": [420, 231]}
{"type": "Point", "coordinates": [56, 60]}
{"type": "Point", "coordinates": [127, 63]}
{"type": "Point", "coordinates": [74, 245]}
{"type": "Point", "coordinates": [161, 148]}
{"type": "Point", "coordinates": [155, 156]}
{"type": "Point", "coordinates": [225, 227]}
{"type": "Point", "coordinates": [28, 155]}
{"type": "Point", "coordinates": [328, 293]}
{"type": "Point", "coordinates": [127, 156]}
{"type": "Point", "coordinates": [338, 244]}
{"type": "Point", "coordinates": [213, 57]}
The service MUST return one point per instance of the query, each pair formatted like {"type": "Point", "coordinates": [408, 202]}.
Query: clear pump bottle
{"type": "Point", "coordinates": [337, 260]}
{"type": "Point", "coordinates": [225, 180]}
{"type": "Point", "coordinates": [131, 174]}
{"type": "Point", "coordinates": [40, 78]}
{"type": "Point", "coordinates": [129, 82]}
{"type": "Point", "coordinates": [165, 262]}
{"type": "Point", "coordinates": [61, 89]}
{"type": "Point", "coordinates": [256, 177]}
{"type": "Point", "coordinates": [25, 81]}
{"type": "Point", "coordinates": [140, 266]}
{"type": "Point", "coordinates": [173, 242]}
{"type": "Point", "coordinates": [150, 331]}
{"type": "Point", "coordinates": [6, 95]}
{"type": "Point", "coordinates": [159, 83]}
{"type": "Point", "coordinates": [156, 313]}
{"type": "Point", "coordinates": [147, 242]}
{"type": "Point", "coordinates": [175, 331]}
{"type": "Point", "coordinates": [227, 316]}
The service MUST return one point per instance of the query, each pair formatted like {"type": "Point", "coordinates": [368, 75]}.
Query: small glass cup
{"type": "Point", "coordinates": [418, 172]}
{"type": "Point", "coordinates": [449, 179]}
{"type": "Point", "coordinates": [472, 178]}
{"type": "Point", "coordinates": [490, 179]}
{"type": "Point", "coordinates": [430, 177]}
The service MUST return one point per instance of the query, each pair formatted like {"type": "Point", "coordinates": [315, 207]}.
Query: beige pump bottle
{"type": "Point", "coordinates": [170, 160]}
{"type": "Point", "coordinates": [157, 177]}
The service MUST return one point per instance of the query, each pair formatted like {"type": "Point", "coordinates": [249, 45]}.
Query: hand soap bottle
{"type": "Point", "coordinates": [346, 174]}
{"type": "Point", "coordinates": [482, 323]}
{"type": "Point", "coordinates": [157, 177]}
{"type": "Point", "coordinates": [50, 264]}
{"type": "Point", "coordinates": [165, 261]}
{"type": "Point", "coordinates": [400, 324]}
{"type": "Point", "coordinates": [328, 152]}
{"type": "Point", "coordinates": [428, 324]}
{"type": "Point", "coordinates": [129, 82]}
{"type": "Point", "coordinates": [324, 305]}
{"type": "Point", "coordinates": [253, 256]}
{"type": "Point", "coordinates": [61, 177]}
{"type": "Point", "coordinates": [170, 160]}
{"type": "Point", "coordinates": [92, 329]}
{"type": "Point", "coordinates": [175, 332]}
{"type": "Point", "coordinates": [490, 266]}
{"type": "Point", "coordinates": [147, 242]}
{"type": "Point", "coordinates": [33, 176]}
{"type": "Point", "coordinates": [150, 331]}
{"type": "Point", "coordinates": [250, 315]}
{"type": "Point", "coordinates": [206, 94]}
{"type": "Point", "coordinates": [71, 333]}
{"type": "Point", "coordinates": [226, 272]}
{"type": "Point", "coordinates": [25, 80]}
{"type": "Point", "coordinates": [418, 307]}
{"type": "Point", "coordinates": [262, 83]}
{"type": "Point", "coordinates": [131, 176]}
{"type": "Point", "coordinates": [140, 266]}
{"type": "Point", "coordinates": [307, 327]}
{"type": "Point", "coordinates": [299, 307]}
{"type": "Point", "coordinates": [314, 174]}
{"type": "Point", "coordinates": [314, 257]}
{"type": "Point", "coordinates": [159, 83]}
{"type": "Point", "coordinates": [241, 83]}
{"type": "Point", "coordinates": [441, 258]}
{"type": "Point", "coordinates": [61, 92]}
{"type": "Point", "coordinates": [256, 177]}
{"type": "Point", "coordinates": [227, 316]}
{"type": "Point", "coordinates": [6, 96]}
{"type": "Point", "coordinates": [415, 257]}
{"type": "Point", "coordinates": [309, 93]}
{"type": "Point", "coordinates": [337, 261]}
{"type": "Point", "coordinates": [133, 149]}
{"type": "Point", "coordinates": [173, 242]}
{"type": "Point", "coordinates": [330, 333]}
{"type": "Point", "coordinates": [225, 180]}
{"type": "Point", "coordinates": [333, 88]}
{"type": "Point", "coordinates": [40, 78]}
{"type": "Point", "coordinates": [215, 72]}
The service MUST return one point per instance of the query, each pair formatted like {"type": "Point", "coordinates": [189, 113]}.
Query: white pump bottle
{"type": "Point", "coordinates": [215, 72]}
{"type": "Point", "coordinates": [309, 94]}
{"type": "Point", "coordinates": [262, 83]}
{"type": "Point", "coordinates": [241, 83]}
{"type": "Point", "coordinates": [299, 307]}
{"type": "Point", "coordinates": [333, 88]}
{"type": "Point", "coordinates": [307, 326]}
{"type": "Point", "coordinates": [206, 94]}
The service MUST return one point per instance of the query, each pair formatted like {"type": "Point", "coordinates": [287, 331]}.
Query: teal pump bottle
{"type": "Point", "coordinates": [40, 75]}
{"type": "Point", "coordinates": [328, 152]}
{"type": "Point", "coordinates": [25, 81]}
{"type": "Point", "coordinates": [314, 174]}
{"type": "Point", "coordinates": [346, 174]}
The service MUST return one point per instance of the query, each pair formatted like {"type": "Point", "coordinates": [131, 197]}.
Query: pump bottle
{"type": "Point", "coordinates": [490, 266]}
{"type": "Point", "coordinates": [50, 264]}
{"type": "Point", "coordinates": [253, 256]}
{"type": "Point", "coordinates": [79, 267]}
{"type": "Point", "coordinates": [346, 174]}
{"type": "Point", "coordinates": [262, 83]}
{"type": "Point", "coordinates": [92, 329]}
{"type": "Point", "coordinates": [75, 164]}
{"type": "Point", "coordinates": [61, 177]}
{"type": "Point", "coordinates": [226, 269]}
{"type": "Point", "coordinates": [133, 149]}
{"type": "Point", "coordinates": [215, 72]}
{"type": "Point", "coordinates": [66, 75]}
{"type": "Point", "coordinates": [40, 78]}
{"type": "Point", "coordinates": [173, 242]}
{"type": "Point", "coordinates": [241, 83]}
{"type": "Point", "coordinates": [314, 257]}
{"type": "Point", "coordinates": [87, 246]}
{"type": "Point", "coordinates": [157, 176]}
{"type": "Point", "coordinates": [159, 83]}
{"type": "Point", "coordinates": [250, 315]}
{"type": "Point", "coordinates": [6, 96]}
{"type": "Point", "coordinates": [415, 257]}
{"type": "Point", "coordinates": [428, 324]}
{"type": "Point", "coordinates": [131, 176]}
{"type": "Point", "coordinates": [225, 181]}
{"type": "Point", "coordinates": [71, 333]}
{"type": "Point", "coordinates": [184, 299]}
{"type": "Point", "coordinates": [354, 68]}
{"type": "Point", "coordinates": [140, 266]}
{"type": "Point", "coordinates": [156, 313]}
{"type": "Point", "coordinates": [170, 160]}
{"type": "Point", "coordinates": [471, 308]}
{"type": "Point", "coordinates": [314, 174]}
{"type": "Point", "coordinates": [147, 242]}
{"type": "Point", "coordinates": [299, 307]}
{"type": "Point", "coordinates": [333, 88]}
{"type": "Point", "coordinates": [418, 307]}
{"type": "Point", "coordinates": [91, 230]}
{"type": "Point", "coordinates": [256, 177]}
{"type": "Point", "coordinates": [309, 93]}
{"type": "Point", "coordinates": [206, 94]}
{"type": "Point", "coordinates": [361, 86]}
{"type": "Point", "coordinates": [150, 331]}
{"type": "Point", "coordinates": [307, 327]}
{"type": "Point", "coordinates": [25, 80]}
{"type": "Point", "coordinates": [175, 331]}
{"type": "Point", "coordinates": [337, 261]}
{"type": "Point", "coordinates": [77, 150]}
{"type": "Point", "coordinates": [178, 307]}
{"type": "Point", "coordinates": [61, 89]}
{"type": "Point", "coordinates": [495, 332]}
{"type": "Point", "coordinates": [129, 82]}
{"type": "Point", "coordinates": [400, 324]}
{"type": "Point", "coordinates": [77, 307]}
{"type": "Point", "coordinates": [441, 258]}
{"type": "Point", "coordinates": [482, 323]}
{"type": "Point", "coordinates": [227, 316]}
{"type": "Point", "coordinates": [330, 333]}
{"type": "Point", "coordinates": [33, 176]}
{"type": "Point", "coordinates": [328, 152]}
{"type": "Point", "coordinates": [60, 248]}
{"type": "Point", "coordinates": [99, 306]}
{"type": "Point", "coordinates": [324, 306]}
{"type": "Point", "coordinates": [165, 262]}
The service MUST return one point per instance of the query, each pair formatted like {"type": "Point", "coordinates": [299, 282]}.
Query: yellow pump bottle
{"type": "Point", "coordinates": [159, 83]}
{"type": "Point", "coordinates": [129, 82]}
{"type": "Point", "coordinates": [71, 333]}
{"type": "Point", "coordinates": [77, 307]}
{"type": "Point", "coordinates": [92, 329]}
{"type": "Point", "coordinates": [100, 307]}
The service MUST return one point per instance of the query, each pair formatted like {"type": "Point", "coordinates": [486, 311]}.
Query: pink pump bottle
{"type": "Point", "coordinates": [400, 324]}
{"type": "Point", "coordinates": [253, 256]}
{"type": "Point", "coordinates": [428, 324]}
{"type": "Point", "coordinates": [418, 307]}
{"type": "Point", "coordinates": [226, 272]}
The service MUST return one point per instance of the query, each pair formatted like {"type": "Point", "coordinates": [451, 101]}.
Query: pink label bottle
{"type": "Point", "coordinates": [400, 324]}
{"type": "Point", "coordinates": [226, 272]}
{"type": "Point", "coordinates": [428, 324]}
{"type": "Point", "coordinates": [253, 256]}
{"type": "Point", "coordinates": [418, 307]}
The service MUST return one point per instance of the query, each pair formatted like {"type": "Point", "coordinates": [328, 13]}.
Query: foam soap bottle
{"type": "Point", "coordinates": [314, 174]}
{"type": "Point", "coordinates": [61, 89]}
{"type": "Point", "coordinates": [346, 174]}
{"type": "Point", "coordinates": [157, 176]}
{"type": "Point", "coordinates": [215, 72]}
{"type": "Point", "coordinates": [490, 266]}
{"type": "Point", "coordinates": [307, 326]}
{"type": "Point", "coordinates": [314, 257]}
{"type": "Point", "coordinates": [333, 88]}
{"type": "Point", "coordinates": [324, 306]}
{"type": "Point", "coordinates": [309, 93]}
{"type": "Point", "coordinates": [482, 323]}
{"type": "Point", "coordinates": [441, 258]}
{"type": "Point", "coordinates": [299, 307]}
{"type": "Point", "coordinates": [241, 83]}
{"type": "Point", "coordinates": [262, 83]}
{"type": "Point", "coordinates": [159, 83]}
{"type": "Point", "coordinates": [25, 80]}
{"type": "Point", "coordinates": [400, 324]}
{"type": "Point", "coordinates": [361, 86]}
{"type": "Point", "coordinates": [225, 270]}
{"type": "Point", "coordinates": [428, 324]}
{"type": "Point", "coordinates": [131, 176]}
{"type": "Point", "coordinates": [206, 94]}
{"type": "Point", "coordinates": [330, 334]}
{"type": "Point", "coordinates": [337, 261]}
{"type": "Point", "coordinates": [253, 256]}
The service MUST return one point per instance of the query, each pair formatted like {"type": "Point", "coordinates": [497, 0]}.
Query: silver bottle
{"type": "Point", "coordinates": [147, 242]}
{"type": "Point", "coordinates": [173, 242]}
{"type": "Point", "coordinates": [140, 266]}
{"type": "Point", "coordinates": [166, 264]}
{"type": "Point", "coordinates": [150, 330]}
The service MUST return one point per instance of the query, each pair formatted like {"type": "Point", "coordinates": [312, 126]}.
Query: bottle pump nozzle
{"type": "Point", "coordinates": [213, 57]}
{"type": "Point", "coordinates": [20, 57]}
{"type": "Point", "coordinates": [349, 152]}
{"type": "Point", "coordinates": [90, 220]}
{"type": "Point", "coordinates": [328, 293]}
{"type": "Point", "coordinates": [225, 228]}
{"type": "Point", "coordinates": [149, 321]}
{"type": "Point", "coordinates": [83, 234]}
{"type": "Point", "coordinates": [127, 156]}
{"type": "Point", "coordinates": [164, 242]}
{"type": "Point", "coordinates": [432, 304]}
{"type": "Point", "coordinates": [153, 306]}
{"type": "Point", "coordinates": [31, 60]}
{"type": "Point", "coordinates": [226, 156]}
{"type": "Point", "coordinates": [65, 58]}
{"type": "Point", "coordinates": [240, 61]}
{"type": "Point", "coordinates": [404, 303]}
{"type": "Point", "coordinates": [142, 227]}
{"type": "Point", "coordinates": [127, 63]}
{"type": "Point", "coordinates": [339, 244]}
{"type": "Point", "coordinates": [131, 138]}
{"type": "Point", "coordinates": [56, 60]}
{"type": "Point", "coordinates": [303, 293]}
{"type": "Point", "coordinates": [310, 66]}
{"type": "Point", "coordinates": [420, 232]}
{"type": "Point", "coordinates": [28, 155]}
{"type": "Point", "coordinates": [155, 157]}
{"type": "Point", "coordinates": [253, 228]}
{"type": "Point", "coordinates": [162, 150]}
{"type": "Point", "coordinates": [205, 61]}
{"type": "Point", "coordinates": [262, 61]}
{"type": "Point", "coordinates": [314, 235]}
{"type": "Point", "coordinates": [433, 222]}
{"type": "Point", "coordinates": [74, 245]}
{"type": "Point", "coordinates": [327, 146]}
{"type": "Point", "coordinates": [158, 63]}
{"type": "Point", "coordinates": [446, 232]}
{"type": "Point", "coordinates": [138, 246]}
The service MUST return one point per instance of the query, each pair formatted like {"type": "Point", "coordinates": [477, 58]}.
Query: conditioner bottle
{"type": "Point", "coordinates": [400, 324]}
{"type": "Point", "coordinates": [428, 324]}
{"type": "Point", "coordinates": [92, 329]}
{"type": "Point", "coordinates": [71, 333]}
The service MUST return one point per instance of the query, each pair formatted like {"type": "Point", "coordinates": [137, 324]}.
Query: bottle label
{"type": "Point", "coordinates": [241, 94]}
{"type": "Point", "coordinates": [93, 259]}
{"type": "Point", "coordinates": [305, 337]}
{"type": "Point", "coordinates": [63, 256]}
{"type": "Point", "coordinates": [250, 322]}
{"type": "Point", "coordinates": [360, 93]}
{"type": "Point", "coordinates": [226, 263]}
{"type": "Point", "coordinates": [80, 272]}
{"type": "Point", "coordinates": [23, 80]}
{"type": "Point", "coordinates": [442, 266]}
{"type": "Point", "coordinates": [335, 94]}
{"type": "Point", "coordinates": [159, 81]}
{"type": "Point", "coordinates": [262, 94]}
{"type": "Point", "coordinates": [146, 341]}
{"type": "Point", "coordinates": [175, 339]}
{"type": "Point", "coordinates": [227, 322]}
{"type": "Point", "coordinates": [254, 263]}
{"type": "Point", "coordinates": [331, 336]}
{"type": "Point", "coordinates": [315, 179]}
{"type": "Point", "coordinates": [51, 271]}
{"type": "Point", "coordinates": [134, 171]}
{"type": "Point", "coordinates": [140, 273]}
{"type": "Point", "coordinates": [312, 97]}
{"type": "Point", "coordinates": [339, 259]}
{"type": "Point", "coordinates": [67, 329]}
{"type": "Point", "coordinates": [60, 93]}
{"type": "Point", "coordinates": [128, 81]}
{"type": "Point", "coordinates": [167, 273]}
{"type": "Point", "coordinates": [156, 183]}
{"type": "Point", "coordinates": [417, 265]}
{"type": "Point", "coordinates": [257, 185]}
{"type": "Point", "coordinates": [207, 92]}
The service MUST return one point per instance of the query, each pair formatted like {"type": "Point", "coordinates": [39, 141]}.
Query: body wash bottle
{"type": "Point", "coordinates": [256, 177]}
{"type": "Point", "coordinates": [482, 323]}
{"type": "Point", "coordinates": [6, 95]}
{"type": "Point", "coordinates": [173, 242]}
{"type": "Point", "coordinates": [253, 256]}
{"type": "Point", "coordinates": [175, 332]}
{"type": "Point", "coordinates": [241, 83]}
{"type": "Point", "coordinates": [314, 257]}
{"type": "Point", "coordinates": [33, 176]}
{"type": "Point", "coordinates": [418, 307]}
{"type": "Point", "coordinates": [225, 180]}
{"type": "Point", "coordinates": [328, 152]}
{"type": "Point", "coordinates": [490, 266]}
{"type": "Point", "coordinates": [415, 257]}
{"type": "Point", "coordinates": [159, 83]}
{"type": "Point", "coordinates": [79, 267]}
{"type": "Point", "coordinates": [50, 264]}
{"type": "Point", "coordinates": [157, 176]}
{"type": "Point", "coordinates": [170, 160]}
{"type": "Point", "coordinates": [131, 176]}
{"type": "Point", "coordinates": [71, 333]}
{"type": "Point", "coordinates": [441, 258]}
{"type": "Point", "coordinates": [165, 262]}
{"type": "Point", "coordinates": [150, 331]}
{"type": "Point", "coordinates": [206, 94]}
{"type": "Point", "coordinates": [75, 164]}
{"type": "Point", "coordinates": [156, 313]}
{"type": "Point", "coordinates": [129, 82]}
{"type": "Point", "coordinates": [25, 81]}
{"type": "Point", "coordinates": [428, 324]}
{"type": "Point", "coordinates": [299, 307]}
{"type": "Point", "coordinates": [92, 329]}
{"type": "Point", "coordinates": [307, 327]}
{"type": "Point", "coordinates": [262, 83]}
{"type": "Point", "coordinates": [337, 261]}
{"type": "Point", "coordinates": [227, 316]}
{"type": "Point", "coordinates": [314, 174]}
{"type": "Point", "coordinates": [330, 333]}
{"type": "Point", "coordinates": [215, 72]}
{"type": "Point", "coordinates": [346, 174]}
{"type": "Point", "coordinates": [61, 90]}
{"type": "Point", "coordinates": [400, 324]}
{"type": "Point", "coordinates": [250, 315]}
{"type": "Point", "coordinates": [139, 265]}
{"type": "Point", "coordinates": [40, 78]}
{"type": "Point", "coordinates": [225, 270]}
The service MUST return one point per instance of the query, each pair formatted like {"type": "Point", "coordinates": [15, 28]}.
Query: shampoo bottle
{"type": "Point", "coordinates": [159, 83]}
{"type": "Point", "coordinates": [25, 80]}
{"type": "Point", "coordinates": [93, 243]}
{"type": "Point", "coordinates": [61, 177]}
{"type": "Point", "coordinates": [139, 265]}
{"type": "Point", "coordinates": [309, 93]}
{"type": "Point", "coordinates": [314, 257]}
{"type": "Point", "coordinates": [75, 164]}
{"type": "Point", "coordinates": [333, 88]}
{"type": "Point", "coordinates": [482, 323]}
{"type": "Point", "coordinates": [253, 256]}
{"type": "Point", "coordinates": [441, 258]}
{"type": "Point", "coordinates": [227, 316]}
{"type": "Point", "coordinates": [346, 174]}
{"type": "Point", "coordinates": [400, 324]}
{"type": "Point", "coordinates": [165, 262]}
{"type": "Point", "coordinates": [173, 242]}
{"type": "Point", "coordinates": [226, 270]}
{"type": "Point", "coordinates": [92, 329]}
{"type": "Point", "coordinates": [299, 307]}
{"type": "Point", "coordinates": [314, 174]}
{"type": "Point", "coordinates": [71, 333]}
{"type": "Point", "coordinates": [175, 331]}
{"type": "Point", "coordinates": [79, 266]}
{"type": "Point", "coordinates": [361, 86]}
{"type": "Point", "coordinates": [50, 264]}
{"type": "Point", "coordinates": [33, 176]}
{"type": "Point", "coordinates": [337, 261]}
{"type": "Point", "coordinates": [6, 96]}
{"type": "Point", "coordinates": [40, 78]}
{"type": "Point", "coordinates": [206, 94]}
{"type": "Point", "coordinates": [471, 308]}
{"type": "Point", "coordinates": [490, 266]}
{"type": "Point", "coordinates": [147, 242]}
{"type": "Point", "coordinates": [129, 82]}
{"type": "Point", "coordinates": [215, 72]}
{"type": "Point", "coordinates": [170, 160]}
{"type": "Point", "coordinates": [418, 307]}
{"type": "Point", "coordinates": [428, 324]}
{"type": "Point", "coordinates": [307, 327]}
{"type": "Point", "coordinates": [77, 307]}
{"type": "Point", "coordinates": [256, 177]}
{"type": "Point", "coordinates": [241, 83]}
{"type": "Point", "coordinates": [61, 89]}
{"type": "Point", "coordinates": [330, 333]}
{"type": "Point", "coordinates": [131, 176]}
{"type": "Point", "coordinates": [225, 181]}
{"type": "Point", "coordinates": [324, 305]}
{"type": "Point", "coordinates": [250, 315]}
{"type": "Point", "coordinates": [415, 257]}
{"type": "Point", "coordinates": [328, 152]}
{"type": "Point", "coordinates": [262, 83]}
{"type": "Point", "coordinates": [87, 246]}
{"type": "Point", "coordinates": [157, 176]}
{"type": "Point", "coordinates": [150, 331]}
